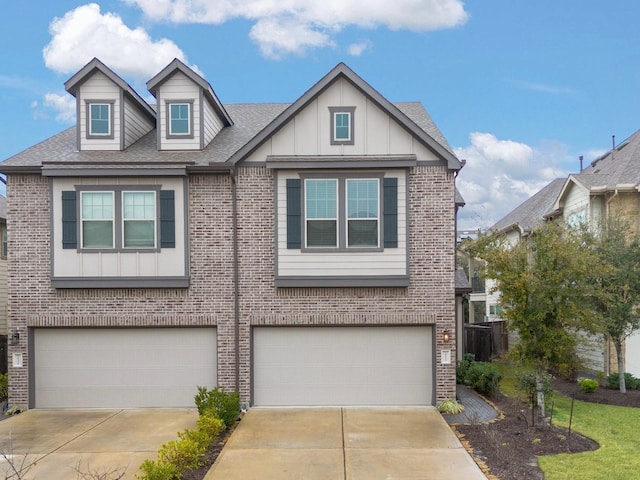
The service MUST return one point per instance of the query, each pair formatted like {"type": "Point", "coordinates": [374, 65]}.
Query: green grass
{"type": "Point", "coordinates": [616, 429]}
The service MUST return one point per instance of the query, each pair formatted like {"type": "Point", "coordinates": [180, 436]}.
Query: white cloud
{"type": "Point", "coordinates": [308, 23]}
{"type": "Point", "coordinates": [501, 174]}
{"type": "Point", "coordinates": [85, 32]}
{"type": "Point", "coordinates": [357, 49]}
{"type": "Point", "coordinates": [64, 105]}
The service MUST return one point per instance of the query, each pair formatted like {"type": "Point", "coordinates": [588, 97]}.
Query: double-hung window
{"type": "Point", "coordinates": [342, 213]}
{"type": "Point", "coordinates": [118, 219]}
{"type": "Point", "coordinates": [139, 219]}
{"type": "Point", "coordinates": [179, 119]}
{"type": "Point", "coordinates": [97, 218]}
{"type": "Point", "coordinates": [100, 119]}
{"type": "Point", "coordinates": [342, 125]}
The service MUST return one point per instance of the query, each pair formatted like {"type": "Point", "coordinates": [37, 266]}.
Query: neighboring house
{"type": "Point", "coordinates": [609, 186]}
{"type": "Point", "coordinates": [3, 284]}
{"type": "Point", "coordinates": [300, 253]}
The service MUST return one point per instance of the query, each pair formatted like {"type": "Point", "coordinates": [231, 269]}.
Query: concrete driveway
{"type": "Point", "coordinates": [59, 443]}
{"type": "Point", "coordinates": [344, 444]}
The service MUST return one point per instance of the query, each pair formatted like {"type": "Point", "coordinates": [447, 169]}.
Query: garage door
{"type": "Point", "coordinates": [153, 367]}
{"type": "Point", "coordinates": [342, 366]}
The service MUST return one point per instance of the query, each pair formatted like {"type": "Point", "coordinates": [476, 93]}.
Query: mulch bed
{"type": "Point", "coordinates": [508, 448]}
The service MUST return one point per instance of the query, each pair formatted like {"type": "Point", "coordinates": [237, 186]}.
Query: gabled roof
{"type": "Point", "coordinates": [532, 211]}
{"type": "Point", "coordinates": [177, 66]}
{"type": "Point", "coordinates": [462, 282]}
{"type": "Point", "coordinates": [73, 84]}
{"type": "Point", "coordinates": [427, 132]}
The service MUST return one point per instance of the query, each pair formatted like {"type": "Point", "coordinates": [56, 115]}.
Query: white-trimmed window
{"type": "Point", "coordinates": [342, 125]}
{"type": "Point", "coordinates": [97, 219]}
{"type": "Point", "coordinates": [100, 119]}
{"type": "Point", "coordinates": [118, 220]}
{"type": "Point", "coordinates": [139, 219]}
{"type": "Point", "coordinates": [363, 207]}
{"type": "Point", "coordinates": [179, 119]}
{"type": "Point", "coordinates": [321, 207]}
{"type": "Point", "coordinates": [342, 213]}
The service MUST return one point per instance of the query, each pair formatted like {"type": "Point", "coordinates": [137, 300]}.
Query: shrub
{"type": "Point", "coordinates": [483, 377]}
{"type": "Point", "coordinates": [526, 383]}
{"type": "Point", "coordinates": [588, 385]}
{"type": "Point", "coordinates": [184, 454]}
{"type": "Point", "coordinates": [216, 402]}
{"type": "Point", "coordinates": [463, 367]}
{"type": "Point", "coordinates": [4, 386]}
{"type": "Point", "coordinates": [156, 470]}
{"type": "Point", "coordinates": [631, 382]}
{"type": "Point", "coordinates": [210, 426]}
{"type": "Point", "coordinates": [449, 406]}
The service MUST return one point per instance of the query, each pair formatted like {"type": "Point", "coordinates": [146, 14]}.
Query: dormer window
{"type": "Point", "coordinates": [100, 119]}
{"type": "Point", "coordinates": [342, 125]}
{"type": "Point", "coordinates": [180, 119]}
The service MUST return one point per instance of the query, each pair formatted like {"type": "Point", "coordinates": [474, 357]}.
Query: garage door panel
{"type": "Point", "coordinates": [115, 368]}
{"type": "Point", "coordinates": [342, 366]}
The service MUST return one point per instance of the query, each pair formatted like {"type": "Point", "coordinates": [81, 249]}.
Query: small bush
{"type": "Point", "coordinates": [216, 402]}
{"type": "Point", "coordinates": [588, 385]}
{"type": "Point", "coordinates": [4, 386]}
{"type": "Point", "coordinates": [449, 406]}
{"type": "Point", "coordinates": [157, 470]}
{"type": "Point", "coordinates": [526, 383]}
{"type": "Point", "coordinates": [483, 377]}
{"type": "Point", "coordinates": [463, 367]}
{"type": "Point", "coordinates": [185, 454]}
{"type": "Point", "coordinates": [210, 426]}
{"type": "Point", "coordinates": [631, 382]}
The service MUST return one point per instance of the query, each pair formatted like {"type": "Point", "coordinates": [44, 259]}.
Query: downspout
{"type": "Point", "coordinates": [236, 275]}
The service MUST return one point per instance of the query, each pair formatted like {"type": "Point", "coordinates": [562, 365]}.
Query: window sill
{"type": "Point", "coordinates": [343, 281]}
{"type": "Point", "coordinates": [120, 282]}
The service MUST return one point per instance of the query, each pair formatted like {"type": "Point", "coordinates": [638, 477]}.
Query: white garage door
{"type": "Point", "coordinates": [152, 367]}
{"type": "Point", "coordinates": [342, 366]}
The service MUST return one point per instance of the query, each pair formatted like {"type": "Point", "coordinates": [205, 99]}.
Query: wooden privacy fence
{"type": "Point", "coordinates": [486, 340]}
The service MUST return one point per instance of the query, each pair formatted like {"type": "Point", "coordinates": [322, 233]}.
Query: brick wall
{"type": "Point", "coordinates": [429, 300]}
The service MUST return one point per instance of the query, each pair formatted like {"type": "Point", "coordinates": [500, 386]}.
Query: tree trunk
{"type": "Point", "coordinates": [541, 421]}
{"type": "Point", "coordinates": [621, 366]}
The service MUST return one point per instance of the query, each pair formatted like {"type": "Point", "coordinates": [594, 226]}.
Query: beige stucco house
{"type": "Point", "coordinates": [300, 253]}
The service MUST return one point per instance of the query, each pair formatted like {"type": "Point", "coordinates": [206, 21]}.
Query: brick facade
{"type": "Point", "coordinates": [429, 300]}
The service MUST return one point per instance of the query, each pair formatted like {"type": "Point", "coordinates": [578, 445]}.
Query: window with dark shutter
{"type": "Point", "coordinates": [390, 193]}
{"type": "Point", "coordinates": [69, 220]}
{"type": "Point", "coordinates": [294, 213]}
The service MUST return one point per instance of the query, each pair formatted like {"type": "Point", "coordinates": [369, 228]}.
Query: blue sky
{"type": "Point", "coordinates": [519, 88]}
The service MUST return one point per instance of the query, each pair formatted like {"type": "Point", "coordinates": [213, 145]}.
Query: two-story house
{"type": "Point", "coordinates": [300, 253]}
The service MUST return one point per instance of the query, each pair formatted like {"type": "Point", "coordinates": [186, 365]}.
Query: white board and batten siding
{"type": "Point", "coordinates": [168, 262]}
{"type": "Point", "coordinates": [632, 354]}
{"type": "Point", "coordinates": [576, 205]}
{"type": "Point", "coordinates": [122, 368]}
{"type": "Point", "coordinates": [99, 87]}
{"type": "Point", "coordinates": [340, 366]}
{"type": "Point", "coordinates": [375, 132]}
{"type": "Point", "coordinates": [295, 262]}
{"type": "Point", "coordinates": [212, 123]}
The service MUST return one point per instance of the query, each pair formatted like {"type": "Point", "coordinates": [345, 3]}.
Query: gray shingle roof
{"type": "Point", "coordinates": [249, 120]}
{"type": "Point", "coordinates": [462, 282]}
{"type": "Point", "coordinates": [531, 212]}
{"type": "Point", "coordinates": [616, 167]}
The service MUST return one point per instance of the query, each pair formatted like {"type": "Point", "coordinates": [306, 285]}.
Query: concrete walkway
{"type": "Point", "coordinates": [344, 444]}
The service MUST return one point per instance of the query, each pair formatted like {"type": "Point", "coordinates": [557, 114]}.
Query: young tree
{"type": "Point", "coordinates": [616, 281]}
{"type": "Point", "coordinates": [541, 282]}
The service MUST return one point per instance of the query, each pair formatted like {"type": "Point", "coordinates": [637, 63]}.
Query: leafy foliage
{"type": "Point", "coordinates": [463, 367]}
{"type": "Point", "coordinates": [217, 402]}
{"type": "Point", "coordinates": [483, 377]}
{"type": "Point", "coordinates": [631, 382]}
{"type": "Point", "coordinates": [4, 385]}
{"type": "Point", "coordinates": [588, 385]}
{"type": "Point", "coordinates": [451, 407]}
{"type": "Point", "coordinates": [526, 383]}
{"type": "Point", "coordinates": [616, 281]}
{"type": "Point", "coordinates": [543, 280]}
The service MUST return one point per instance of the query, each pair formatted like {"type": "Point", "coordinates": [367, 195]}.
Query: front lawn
{"type": "Point", "coordinates": [616, 429]}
